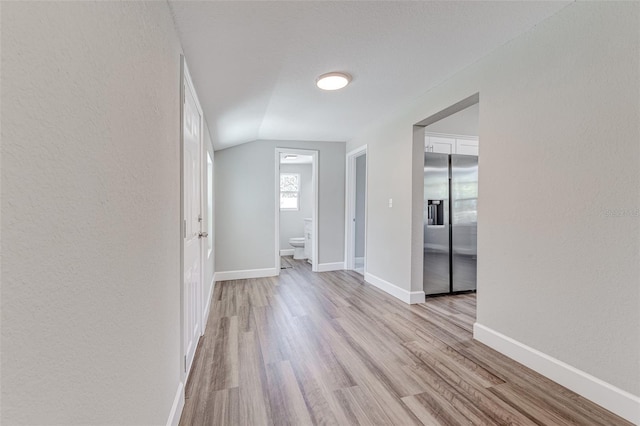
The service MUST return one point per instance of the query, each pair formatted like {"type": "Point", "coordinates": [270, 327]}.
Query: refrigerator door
{"type": "Point", "coordinates": [464, 221]}
{"type": "Point", "coordinates": [436, 224]}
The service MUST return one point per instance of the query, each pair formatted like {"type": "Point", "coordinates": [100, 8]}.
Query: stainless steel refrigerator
{"type": "Point", "coordinates": [450, 223]}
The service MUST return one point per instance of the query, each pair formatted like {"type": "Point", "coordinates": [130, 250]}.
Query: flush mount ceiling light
{"type": "Point", "coordinates": [333, 80]}
{"type": "Point", "coordinates": [290, 157]}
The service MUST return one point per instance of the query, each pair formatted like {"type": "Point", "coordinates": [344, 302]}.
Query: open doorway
{"type": "Point", "coordinates": [356, 217]}
{"type": "Point", "coordinates": [447, 148]}
{"type": "Point", "coordinates": [296, 208]}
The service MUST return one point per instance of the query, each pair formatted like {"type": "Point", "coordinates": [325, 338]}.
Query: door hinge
{"type": "Point", "coordinates": [199, 218]}
{"type": "Point", "coordinates": [184, 228]}
{"type": "Point", "coordinates": [185, 363]}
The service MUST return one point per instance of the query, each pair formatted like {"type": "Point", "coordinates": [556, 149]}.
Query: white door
{"type": "Point", "coordinates": [359, 213]}
{"type": "Point", "coordinates": [192, 291]}
{"type": "Point", "coordinates": [356, 205]}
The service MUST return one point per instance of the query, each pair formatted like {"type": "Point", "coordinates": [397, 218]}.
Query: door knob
{"type": "Point", "coordinates": [203, 235]}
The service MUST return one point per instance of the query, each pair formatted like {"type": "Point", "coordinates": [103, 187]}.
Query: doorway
{"type": "Point", "coordinates": [193, 234]}
{"type": "Point", "coordinates": [446, 147]}
{"type": "Point", "coordinates": [296, 230]}
{"type": "Point", "coordinates": [356, 220]}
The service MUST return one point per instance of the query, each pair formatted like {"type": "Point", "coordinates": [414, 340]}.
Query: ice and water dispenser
{"type": "Point", "coordinates": [435, 212]}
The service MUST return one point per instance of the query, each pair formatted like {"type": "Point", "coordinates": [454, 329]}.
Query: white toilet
{"type": "Point", "coordinates": [298, 246]}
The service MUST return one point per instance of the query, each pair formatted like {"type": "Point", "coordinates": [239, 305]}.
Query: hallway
{"type": "Point", "coordinates": [324, 348]}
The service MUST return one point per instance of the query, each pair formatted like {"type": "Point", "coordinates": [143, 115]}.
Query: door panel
{"type": "Point", "coordinates": [192, 292]}
{"type": "Point", "coordinates": [359, 218]}
{"type": "Point", "coordinates": [436, 224]}
{"type": "Point", "coordinates": [464, 221]}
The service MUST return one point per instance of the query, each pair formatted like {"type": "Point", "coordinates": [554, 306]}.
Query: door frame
{"type": "Point", "coordinates": [185, 80]}
{"type": "Point", "coordinates": [417, 185]}
{"type": "Point", "coordinates": [314, 215]}
{"type": "Point", "coordinates": [350, 207]}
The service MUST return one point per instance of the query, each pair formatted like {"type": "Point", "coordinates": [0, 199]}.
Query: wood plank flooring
{"type": "Point", "coordinates": [326, 348]}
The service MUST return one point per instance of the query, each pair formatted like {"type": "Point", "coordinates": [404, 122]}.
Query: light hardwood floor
{"type": "Point", "coordinates": [326, 348]}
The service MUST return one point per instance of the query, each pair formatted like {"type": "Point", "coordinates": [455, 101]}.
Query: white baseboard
{"type": "Point", "coordinates": [618, 401]}
{"type": "Point", "coordinates": [410, 297]}
{"type": "Point", "coordinates": [176, 408]}
{"type": "Point", "coordinates": [416, 297]}
{"type": "Point", "coordinates": [359, 259]}
{"type": "Point", "coordinates": [326, 267]}
{"type": "Point", "coordinates": [287, 252]}
{"type": "Point", "coordinates": [207, 308]}
{"type": "Point", "coordinates": [241, 275]}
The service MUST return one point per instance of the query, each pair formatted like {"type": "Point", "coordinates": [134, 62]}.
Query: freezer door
{"type": "Point", "coordinates": [436, 224]}
{"type": "Point", "coordinates": [464, 221]}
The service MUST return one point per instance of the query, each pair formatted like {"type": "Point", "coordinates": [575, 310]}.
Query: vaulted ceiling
{"type": "Point", "coordinates": [254, 64]}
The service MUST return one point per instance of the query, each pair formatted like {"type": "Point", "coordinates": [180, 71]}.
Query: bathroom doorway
{"type": "Point", "coordinates": [356, 220]}
{"type": "Point", "coordinates": [296, 208]}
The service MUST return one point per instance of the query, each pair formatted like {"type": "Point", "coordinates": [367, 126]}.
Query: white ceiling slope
{"type": "Point", "coordinates": [254, 64]}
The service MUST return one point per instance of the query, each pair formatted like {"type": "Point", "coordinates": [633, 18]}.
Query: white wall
{"type": "Point", "coordinates": [559, 129]}
{"type": "Point", "coordinates": [245, 203]}
{"type": "Point", "coordinates": [465, 122]}
{"type": "Point", "coordinates": [292, 221]}
{"type": "Point", "coordinates": [90, 213]}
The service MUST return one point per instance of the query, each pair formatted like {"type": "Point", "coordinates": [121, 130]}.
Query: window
{"type": "Point", "coordinates": [289, 191]}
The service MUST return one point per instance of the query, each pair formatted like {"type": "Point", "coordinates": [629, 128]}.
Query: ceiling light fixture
{"type": "Point", "coordinates": [333, 80]}
{"type": "Point", "coordinates": [290, 157]}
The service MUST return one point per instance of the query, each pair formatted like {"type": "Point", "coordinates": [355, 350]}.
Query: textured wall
{"type": "Point", "coordinates": [90, 207]}
{"type": "Point", "coordinates": [559, 130]}
{"type": "Point", "coordinates": [245, 203]}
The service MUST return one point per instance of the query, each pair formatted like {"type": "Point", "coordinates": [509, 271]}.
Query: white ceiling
{"type": "Point", "coordinates": [254, 64]}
